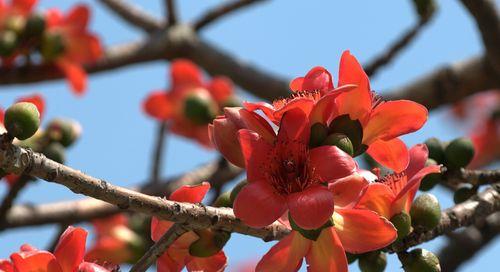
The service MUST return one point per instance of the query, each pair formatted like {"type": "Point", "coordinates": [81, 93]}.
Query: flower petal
{"type": "Point", "coordinates": [158, 105]}
{"type": "Point", "coordinates": [311, 208]}
{"type": "Point", "coordinates": [184, 72]}
{"type": "Point", "coordinates": [331, 163]}
{"type": "Point", "coordinates": [214, 263]}
{"type": "Point", "coordinates": [356, 237]}
{"type": "Point", "coordinates": [325, 108]}
{"type": "Point", "coordinates": [75, 74]}
{"type": "Point", "coordinates": [35, 261]}
{"type": "Point", "coordinates": [256, 152]}
{"type": "Point", "coordinates": [221, 88]}
{"type": "Point", "coordinates": [318, 78]}
{"type": "Point", "coordinates": [70, 249]}
{"type": "Point", "coordinates": [418, 157]}
{"type": "Point", "coordinates": [258, 205]}
{"type": "Point", "coordinates": [357, 102]}
{"type": "Point", "coordinates": [286, 255]}
{"type": "Point", "coordinates": [266, 108]}
{"type": "Point", "coordinates": [166, 264]}
{"type": "Point", "coordinates": [392, 154]}
{"type": "Point", "coordinates": [346, 191]}
{"type": "Point", "coordinates": [78, 17]}
{"type": "Point", "coordinates": [294, 126]}
{"type": "Point", "coordinates": [377, 197]}
{"type": "Point", "coordinates": [191, 193]}
{"type": "Point", "coordinates": [6, 266]}
{"type": "Point", "coordinates": [91, 267]}
{"type": "Point", "coordinates": [393, 119]}
{"type": "Point", "coordinates": [159, 227]}
{"type": "Point", "coordinates": [327, 253]}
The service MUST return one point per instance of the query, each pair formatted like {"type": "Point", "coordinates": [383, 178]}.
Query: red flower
{"type": "Point", "coordinates": [395, 192]}
{"type": "Point", "coordinates": [79, 46]}
{"type": "Point", "coordinates": [113, 241]}
{"type": "Point", "coordinates": [486, 140]}
{"type": "Point", "coordinates": [284, 174]}
{"type": "Point", "coordinates": [67, 257]}
{"type": "Point", "coordinates": [190, 104]}
{"type": "Point", "coordinates": [177, 255]}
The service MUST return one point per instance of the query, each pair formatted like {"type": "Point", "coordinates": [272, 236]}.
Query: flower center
{"type": "Point", "coordinates": [313, 95]}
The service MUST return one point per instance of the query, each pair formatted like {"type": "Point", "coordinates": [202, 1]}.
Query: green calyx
{"type": "Point", "coordinates": [224, 200]}
{"type": "Point", "coordinates": [55, 151]}
{"type": "Point", "coordinates": [430, 180]}
{"type": "Point", "coordinates": [63, 131]}
{"type": "Point", "coordinates": [419, 260]}
{"type": "Point", "coordinates": [402, 223]}
{"type": "Point", "coordinates": [425, 212]}
{"type": "Point", "coordinates": [459, 153]}
{"type": "Point", "coordinates": [374, 261]}
{"type": "Point", "coordinates": [352, 129]}
{"type": "Point", "coordinates": [311, 234]}
{"type": "Point", "coordinates": [199, 108]}
{"type": "Point", "coordinates": [341, 141]}
{"type": "Point", "coordinates": [436, 149]}
{"type": "Point", "coordinates": [52, 46]}
{"type": "Point", "coordinates": [22, 120]}
{"type": "Point", "coordinates": [464, 193]}
{"type": "Point", "coordinates": [8, 43]}
{"type": "Point", "coordinates": [319, 132]}
{"type": "Point", "coordinates": [236, 190]}
{"type": "Point", "coordinates": [210, 242]}
{"type": "Point", "coordinates": [35, 26]}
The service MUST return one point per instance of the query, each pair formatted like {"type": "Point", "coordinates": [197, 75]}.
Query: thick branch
{"type": "Point", "coordinates": [87, 209]}
{"type": "Point", "coordinates": [478, 177]}
{"type": "Point", "coordinates": [221, 11]}
{"type": "Point", "coordinates": [159, 247]}
{"type": "Point", "coordinates": [467, 213]}
{"type": "Point", "coordinates": [465, 245]}
{"type": "Point", "coordinates": [133, 15]}
{"type": "Point", "coordinates": [488, 22]}
{"type": "Point", "coordinates": [170, 12]}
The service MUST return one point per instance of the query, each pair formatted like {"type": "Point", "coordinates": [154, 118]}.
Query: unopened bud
{"type": "Point", "coordinates": [459, 153]}
{"type": "Point", "coordinates": [236, 190]}
{"type": "Point", "coordinates": [352, 129]}
{"type": "Point", "coordinates": [209, 243]}
{"type": "Point", "coordinates": [463, 193]}
{"type": "Point", "coordinates": [425, 211]}
{"type": "Point", "coordinates": [341, 141]}
{"type": "Point", "coordinates": [419, 260]}
{"type": "Point", "coordinates": [436, 149]}
{"type": "Point", "coordinates": [8, 43]}
{"type": "Point", "coordinates": [224, 200]}
{"type": "Point", "coordinates": [22, 120]}
{"type": "Point", "coordinates": [64, 131]}
{"type": "Point", "coordinates": [430, 180]}
{"type": "Point", "coordinates": [375, 261]}
{"type": "Point", "coordinates": [35, 25]}
{"type": "Point", "coordinates": [55, 151]}
{"type": "Point", "coordinates": [52, 46]}
{"type": "Point", "coordinates": [199, 108]}
{"type": "Point", "coordinates": [319, 132]}
{"type": "Point", "coordinates": [402, 223]}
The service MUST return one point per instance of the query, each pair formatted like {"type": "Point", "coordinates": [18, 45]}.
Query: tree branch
{"type": "Point", "coordinates": [463, 214]}
{"type": "Point", "coordinates": [87, 209]}
{"type": "Point", "coordinates": [154, 252]}
{"type": "Point", "coordinates": [11, 196]}
{"type": "Point", "coordinates": [474, 177]}
{"type": "Point", "coordinates": [488, 22]}
{"type": "Point", "coordinates": [221, 11]}
{"type": "Point", "coordinates": [464, 245]}
{"type": "Point", "coordinates": [133, 15]}
{"type": "Point", "coordinates": [158, 153]}
{"type": "Point", "coordinates": [170, 12]}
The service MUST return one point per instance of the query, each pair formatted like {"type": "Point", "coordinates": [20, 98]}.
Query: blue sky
{"type": "Point", "coordinates": [284, 37]}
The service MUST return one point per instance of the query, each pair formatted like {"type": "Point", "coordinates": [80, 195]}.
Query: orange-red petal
{"type": "Point", "coordinates": [35, 261]}
{"type": "Point", "coordinates": [392, 154]}
{"type": "Point", "coordinates": [158, 105]}
{"type": "Point", "coordinates": [351, 226]}
{"type": "Point", "coordinates": [327, 253]}
{"type": "Point", "coordinates": [75, 74]}
{"type": "Point", "coordinates": [214, 263]}
{"type": "Point", "coordinates": [78, 17]}
{"type": "Point", "coordinates": [191, 193]}
{"type": "Point", "coordinates": [221, 88]}
{"type": "Point", "coordinates": [331, 163]}
{"type": "Point", "coordinates": [70, 249]}
{"type": "Point", "coordinates": [286, 255]}
{"type": "Point", "coordinates": [256, 152]}
{"type": "Point", "coordinates": [185, 72]}
{"type": "Point", "coordinates": [377, 197]}
{"type": "Point", "coordinates": [346, 191]}
{"type": "Point", "coordinates": [312, 207]}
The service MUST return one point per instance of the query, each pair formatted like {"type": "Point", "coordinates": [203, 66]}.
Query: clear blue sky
{"type": "Point", "coordinates": [285, 37]}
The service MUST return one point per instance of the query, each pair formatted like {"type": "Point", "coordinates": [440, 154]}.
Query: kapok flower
{"type": "Point", "coordinates": [394, 193]}
{"type": "Point", "coordinates": [178, 254]}
{"type": "Point", "coordinates": [190, 104]}
{"type": "Point", "coordinates": [283, 174]}
{"type": "Point", "coordinates": [69, 44]}
{"type": "Point", "coordinates": [114, 241]}
{"type": "Point", "coordinates": [67, 257]}
{"type": "Point", "coordinates": [486, 140]}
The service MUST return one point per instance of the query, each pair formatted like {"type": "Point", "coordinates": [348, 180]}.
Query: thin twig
{"type": "Point", "coordinates": [11, 196]}
{"type": "Point", "coordinates": [394, 49]}
{"type": "Point", "coordinates": [221, 11]}
{"type": "Point", "coordinates": [158, 153]}
{"type": "Point", "coordinates": [155, 251]}
{"type": "Point", "coordinates": [133, 15]}
{"type": "Point", "coordinates": [474, 177]}
{"type": "Point", "coordinates": [170, 12]}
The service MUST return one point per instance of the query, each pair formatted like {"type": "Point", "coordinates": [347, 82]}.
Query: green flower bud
{"type": "Point", "coordinates": [52, 46]}
{"type": "Point", "coordinates": [374, 261]}
{"type": "Point", "coordinates": [209, 243]}
{"type": "Point", "coordinates": [420, 260]}
{"type": "Point", "coordinates": [55, 152]}
{"type": "Point", "coordinates": [463, 193]}
{"type": "Point", "coordinates": [351, 257]}
{"type": "Point", "coordinates": [22, 120]}
{"type": "Point", "coordinates": [224, 200]}
{"type": "Point", "coordinates": [402, 223]}
{"type": "Point", "coordinates": [436, 149]}
{"type": "Point", "coordinates": [64, 131]}
{"type": "Point", "coordinates": [430, 180]}
{"type": "Point", "coordinates": [35, 25]}
{"type": "Point", "coordinates": [311, 234]}
{"type": "Point", "coordinates": [199, 108]}
{"type": "Point", "coordinates": [459, 153]}
{"type": "Point", "coordinates": [341, 141]}
{"type": "Point", "coordinates": [319, 132]}
{"type": "Point", "coordinates": [8, 43]}
{"type": "Point", "coordinates": [352, 129]}
{"type": "Point", "coordinates": [236, 190]}
{"type": "Point", "coordinates": [425, 211]}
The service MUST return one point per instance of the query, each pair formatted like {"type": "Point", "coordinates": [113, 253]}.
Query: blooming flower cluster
{"type": "Point", "coordinates": [298, 153]}
{"type": "Point", "coordinates": [60, 40]}
{"type": "Point", "coordinates": [190, 104]}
